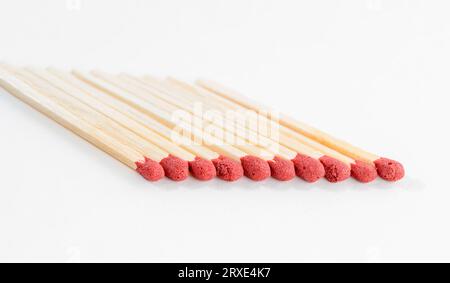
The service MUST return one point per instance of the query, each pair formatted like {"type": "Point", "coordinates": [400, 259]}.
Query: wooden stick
{"type": "Point", "coordinates": [130, 112]}
{"type": "Point", "coordinates": [289, 148]}
{"type": "Point", "coordinates": [182, 102]}
{"type": "Point", "coordinates": [290, 138]}
{"type": "Point", "coordinates": [335, 170]}
{"type": "Point", "coordinates": [310, 164]}
{"type": "Point", "coordinates": [281, 166]}
{"type": "Point", "coordinates": [201, 169]}
{"type": "Point", "coordinates": [154, 96]}
{"type": "Point", "coordinates": [227, 169]}
{"type": "Point", "coordinates": [175, 168]}
{"type": "Point", "coordinates": [54, 111]}
{"type": "Point", "coordinates": [116, 116]}
{"type": "Point", "coordinates": [146, 107]}
{"type": "Point", "coordinates": [388, 169]}
{"type": "Point", "coordinates": [253, 163]}
{"type": "Point", "coordinates": [92, 117]}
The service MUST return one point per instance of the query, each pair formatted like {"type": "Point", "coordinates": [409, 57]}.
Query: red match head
{"type": "Point", "coordinates": [390, 170]}
{"type": "Point", "coordinates": [150, 170]}
{"type": "Point", "coordinates": [227, 169]}
{"type": "Point", "coordinates": [309, 169]}
{"type": "Point", "coordinates": [335, 170]}
{"type": "Point", "coordinates": [364, 172]}
{"type": "Point", "coordinates": [255, 168]}
{"type": "Point", "coordinates": [175, 168]}
{"type": "Point", "coordinates": [202, 169]}
{"type": "Point", "coordinates": [282, 169]}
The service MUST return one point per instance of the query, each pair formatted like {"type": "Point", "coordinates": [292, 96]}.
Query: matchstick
{"type": "Point", "coordinates": [337, 165]}
{"type": "Point", "coordinates": [175, 168]}
{"type": "Point", "coordinates": [145, 166]}
{"type": "Point", "coordinates": [282, 167]}
{"type": "Point", "coordinates": [387, 169]}
{"type": "Point", "coordinates": [309, 163]}
{"type": "Point", "coordinates": [201, 169]}
{"type": "Point", "coordinates": [258, 164]}
{"type": "Point", "coordinates": [227, 163]}
{"type": "Point", "coordinates": [255, 167]}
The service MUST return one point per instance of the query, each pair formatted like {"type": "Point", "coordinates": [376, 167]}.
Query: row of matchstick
{"type": "Point", "coordinates": [130, 118]}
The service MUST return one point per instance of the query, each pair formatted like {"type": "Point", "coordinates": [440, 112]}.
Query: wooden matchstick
{"type": "Point", "coordinates": [175, 168]}
{"type": "Point", "coordinates": [279, 159]}
{"type": "Point", "coordinates": [309, 163]}
{"type": "Point", "coordinates": [149, 169]}
{"type": "Point", "coordinates": [254, 166]}
{"type": "Point", "coordinates": [137, 114]}
{"type": "Point", "coordinates": [259, 164]}
{"type": "Point", "coordinates": [388, 169]}
{"type": "Point", "coordinates": [338, 166]}
{"type": "Point", "coordinates": [227, 165]}
{"type": "Point", "coordinates": [201, 167]}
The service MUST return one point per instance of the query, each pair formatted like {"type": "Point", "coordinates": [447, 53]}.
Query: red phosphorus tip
{"type": "Point", "coordinates": [390, 170]}
{"type": "Point", "coordinates": [228, 169]}
{"type": "Point", "coordinates": [202, 169]}
{"type": "Point", "coordinates": [282, 169]}
{"type": "Point", "coordinates": [150, 170]}
{"type": "Point", "coordinates": [335, 170]}
{"type": "Point", "coordinates": [364, 172]}
{"type": "Point", "coordinates": [176, 169]}
{"type": "Point", "coordinates": [309, 169]}
{"type": "Point", "coordinates": [255, 168]}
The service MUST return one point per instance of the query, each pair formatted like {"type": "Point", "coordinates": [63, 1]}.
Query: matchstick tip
{"type": "Point", "coordinates": [390, 170]}
{"type": "Point", "coordinates": [228, 169]}
{"type": "Point", "coordinates": [282, 169]}
{"type": "Point", "coordinates": [151, 170]}
{"type": "Point", "coordinates": [255, 168]}
{"type": "Point", "coordinates": [335, 171]}
{"type": "Point", "coordinates": [175, 168]}
{"type": "Point", "coordinates": [363, 172]}
{"type": "Point", "coordinates": [202, 169]}
{"type": "Point", "coordinates": [309, 169]}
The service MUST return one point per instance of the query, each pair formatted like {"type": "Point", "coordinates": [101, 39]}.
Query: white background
{"type": "Point", "coordinates": [373, 72]}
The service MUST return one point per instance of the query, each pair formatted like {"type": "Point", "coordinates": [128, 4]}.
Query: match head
{"type": "Point", "coordinates": [202, 169]}
{"type": "Point", "coordinates": [390, 170]}
{"type": "Point", "coordinates": [255, 168]}
{"type": "Point", "coordinates": [151, 170]}
{"type": "Point", "coordinates": [282, 169]}
{"type": "Point", "coordinates": [364, 172]}
{"type": "Point", "coordinates": [176, 169]}
{"type": "Point", "coordinates": [309, 169]}
{"type": "Point", "coordinates": [227, 169]}
{"type": "Point", "coordinates": [335, 170]}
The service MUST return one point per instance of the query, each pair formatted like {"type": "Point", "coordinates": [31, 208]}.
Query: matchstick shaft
{"type": "Point", "coordinates": [287, 146]}
{"type": "Point", "coordinates": [328, 140]}
{"type": "Point", "coordinates": [153, 111]}
{"type": "Point", "coordinates": [117, 116]}
{"type": "Point", "coordinates": [130, 112]}
{"type": "Point", "coordinates": [153, 96]}
{"type": "Point", "coordinates": [308, 131]}
{"type": "Point", "coordinates": [288, 137]}
{"type": "Point", "coordinates": [54, 111]}
{"type": "Point", "coordinates": [94, 118]}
